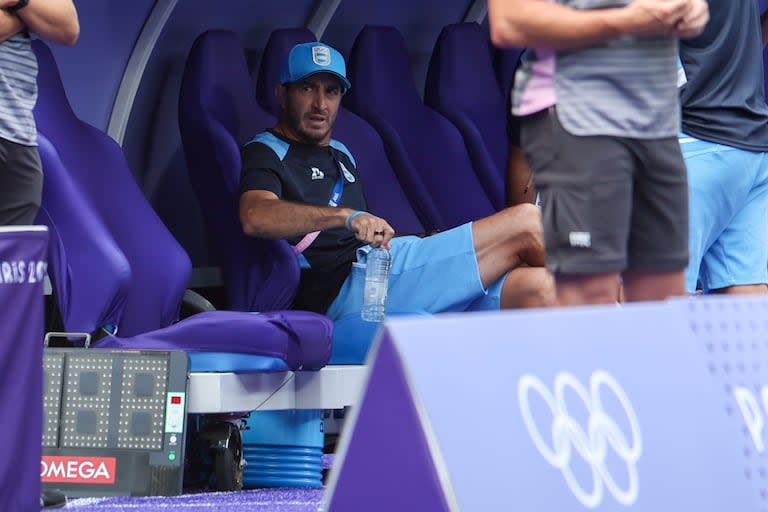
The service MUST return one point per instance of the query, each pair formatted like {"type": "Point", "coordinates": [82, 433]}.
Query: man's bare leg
{"type": "Point", "coordinates": [520, 186]}
{"type": "Point", "coordinates": [529, 287]}
{"type": "Point", "coordinates": [746, 289]}
{"type": "Point", "coordinates": [645, 286]}
{"type": "Point", "coordinates": [575, 290]}
{"type": "Point", "coordinates": [506, 240]}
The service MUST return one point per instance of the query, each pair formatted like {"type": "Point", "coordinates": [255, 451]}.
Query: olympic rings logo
{"type": "Point", "coordinates": [592, 445]}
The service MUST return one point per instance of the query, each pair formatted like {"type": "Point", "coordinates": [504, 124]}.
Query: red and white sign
{"type": "Point", "coordinates": [78, 470]}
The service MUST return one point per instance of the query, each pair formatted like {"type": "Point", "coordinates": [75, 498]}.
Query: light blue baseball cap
{"type": "Point", "coordinates": [309, 58]}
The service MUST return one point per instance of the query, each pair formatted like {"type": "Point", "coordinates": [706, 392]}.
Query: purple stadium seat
{"type": "Point", "coordinates": [384, 94]}
{"type": "Point", "coordinates": [114, 262]}
{"type": "Point", "coordinates": [384, 192]}
{"type": "Point", "coordinates": [505, 62]}
{"type": "Point", "coordinates": [276, 51]}
{"type": "Point", "coordinates": [461, 85]}
{"type": "Point", "coordinates": [217, 114]}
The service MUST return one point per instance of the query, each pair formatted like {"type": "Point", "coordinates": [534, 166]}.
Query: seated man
{"type": "Point", "coordinates": [301, 185]}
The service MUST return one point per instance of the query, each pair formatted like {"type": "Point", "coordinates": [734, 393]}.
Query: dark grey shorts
{"type": "Point", "coordinates": [21, 183]}
{"type": "Point", "coordinates": [608, 203]}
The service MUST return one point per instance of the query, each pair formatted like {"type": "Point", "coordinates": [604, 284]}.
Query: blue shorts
{"type": "Point", "coordinates": [728, 198]}
{"type": "Point", "coordinates": [435, 274]}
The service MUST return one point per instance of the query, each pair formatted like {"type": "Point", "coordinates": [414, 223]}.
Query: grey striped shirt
{"type": "Point", "coordinates": [18, 90]}
{"type": "Point", "coordinates": [625, 88]}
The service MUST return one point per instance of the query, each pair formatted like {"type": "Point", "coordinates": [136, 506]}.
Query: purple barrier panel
{"type": "Point", "coordinates": [600, 408]}
{"type": "Point", "coordinates": [22, 272]}
{"type": "Point", "coordinates": [733, 333]}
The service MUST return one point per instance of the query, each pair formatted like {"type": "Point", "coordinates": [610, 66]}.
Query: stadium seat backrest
{"type": "Point", "coordinates": [218, 112]}
{"type": "Point", "coordinates": [159, 266]}
{"type": "Point", "coordinates": [276, 51]}
{"type": "Point", "coordinates": [87, 269]}
{"type": "Point", "coordinates": [384, 94]}
{"type": "Point", "coordinates": [461, 85]}
{"type": "Point", "coordinates": [505, 62]}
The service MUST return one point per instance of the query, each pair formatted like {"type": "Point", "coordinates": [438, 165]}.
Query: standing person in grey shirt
{"type": "Point", "coordinates": [600, 115]}
{"type": "Point", "coordinates": [21, 176]}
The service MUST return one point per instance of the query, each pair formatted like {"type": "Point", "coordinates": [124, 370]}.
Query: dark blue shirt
{"type": "Point", "coordinates": [724, 98]}
{"type": "Point", "coordinates": [307, 174]}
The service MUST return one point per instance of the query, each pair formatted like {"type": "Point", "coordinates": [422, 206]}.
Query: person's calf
{"type": "Point", "coordinates": [528, 287]}
{"type": "Point", "coordinates": [574, 290]}
{"type": "Point", "coordinates": [649, 286]}
{"type": "Point", "coordinates": [747, 289]}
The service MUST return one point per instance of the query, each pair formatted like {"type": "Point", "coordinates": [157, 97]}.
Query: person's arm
{"type": "Point", "coordinates": [264, 215]}
{"type": "Point", "coordinates": [693, 23]}
{"type": "Point", "coordinates": [10, 25]}
{"type": "Point", "coordinates": [52, 20]}
{"type": "Point", "coordinates": [543, 24]}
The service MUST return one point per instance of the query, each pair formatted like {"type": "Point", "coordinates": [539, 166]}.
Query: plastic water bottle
{"type": "Point", "coordinates": [376, 282]}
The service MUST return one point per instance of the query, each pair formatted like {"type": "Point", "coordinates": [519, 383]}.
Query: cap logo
{"type": "Point", "coordinates": [321, 55]}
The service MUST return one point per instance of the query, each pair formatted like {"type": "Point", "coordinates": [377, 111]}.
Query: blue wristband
{"type": "Point", "coordinates": [352, 216]}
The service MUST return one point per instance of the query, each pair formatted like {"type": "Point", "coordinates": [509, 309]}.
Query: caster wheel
{"type": "Point", "coordinates": [228, 463]}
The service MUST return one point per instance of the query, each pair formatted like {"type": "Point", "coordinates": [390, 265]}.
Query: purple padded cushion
{"type": "Point", "coordinates": [300, 338]}
{"type": "Point", "coordinates": [384, 94]}
{"type": "Point", "coordinates": [217, 113]}
{"type": "Point", "coordinates": [461, 84]}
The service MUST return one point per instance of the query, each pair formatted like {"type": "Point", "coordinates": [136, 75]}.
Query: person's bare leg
{"type": "Point", "coordinates": [520, 186]}
{"type": "Point", "coordinates": [507, 239]}
{"type": "Point", "coordinates": [746, 289]}
{"type": "Point", "coordinates": [645, 286]}
{"type": "Point", "coordinates": [528, 287]}
{"type": "Point", "coordinates": [574, 289]}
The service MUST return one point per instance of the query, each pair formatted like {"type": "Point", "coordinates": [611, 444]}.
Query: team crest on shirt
{"type": "Point", "coordinates": [317, 174]}
{"type": "Point", "coordinates": [347, 175]}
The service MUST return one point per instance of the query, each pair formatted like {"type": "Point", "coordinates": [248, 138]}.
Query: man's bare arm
{"type": "Point", "coordinates": [10, 25]}
{"type": "Point", "coordinates": [542, 24]}
{"type": "Point", "coordinates": [264, 215]}
{"type": "Point", "coordinates": [52, 20]}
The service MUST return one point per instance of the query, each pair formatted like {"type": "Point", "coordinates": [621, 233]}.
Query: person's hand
{"type": "Point", "coordinates": [656, 17]}
{"type": "Point", "coordinates": [694, 22]}
{"type": "Point", "coordinates": [372, 230]}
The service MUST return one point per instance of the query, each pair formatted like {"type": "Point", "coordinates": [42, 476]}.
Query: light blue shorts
{"type": "Point", "coordinates": [435, 274]}
{"type": "Point", "coordinates": [728, 204]}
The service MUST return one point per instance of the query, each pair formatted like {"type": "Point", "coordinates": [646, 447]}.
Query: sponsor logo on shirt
{"type": "Point", "coordinates": [317, 174]}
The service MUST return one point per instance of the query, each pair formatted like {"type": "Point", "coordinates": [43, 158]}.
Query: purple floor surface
{"type": "Point", "coordinates": [260, 500]}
